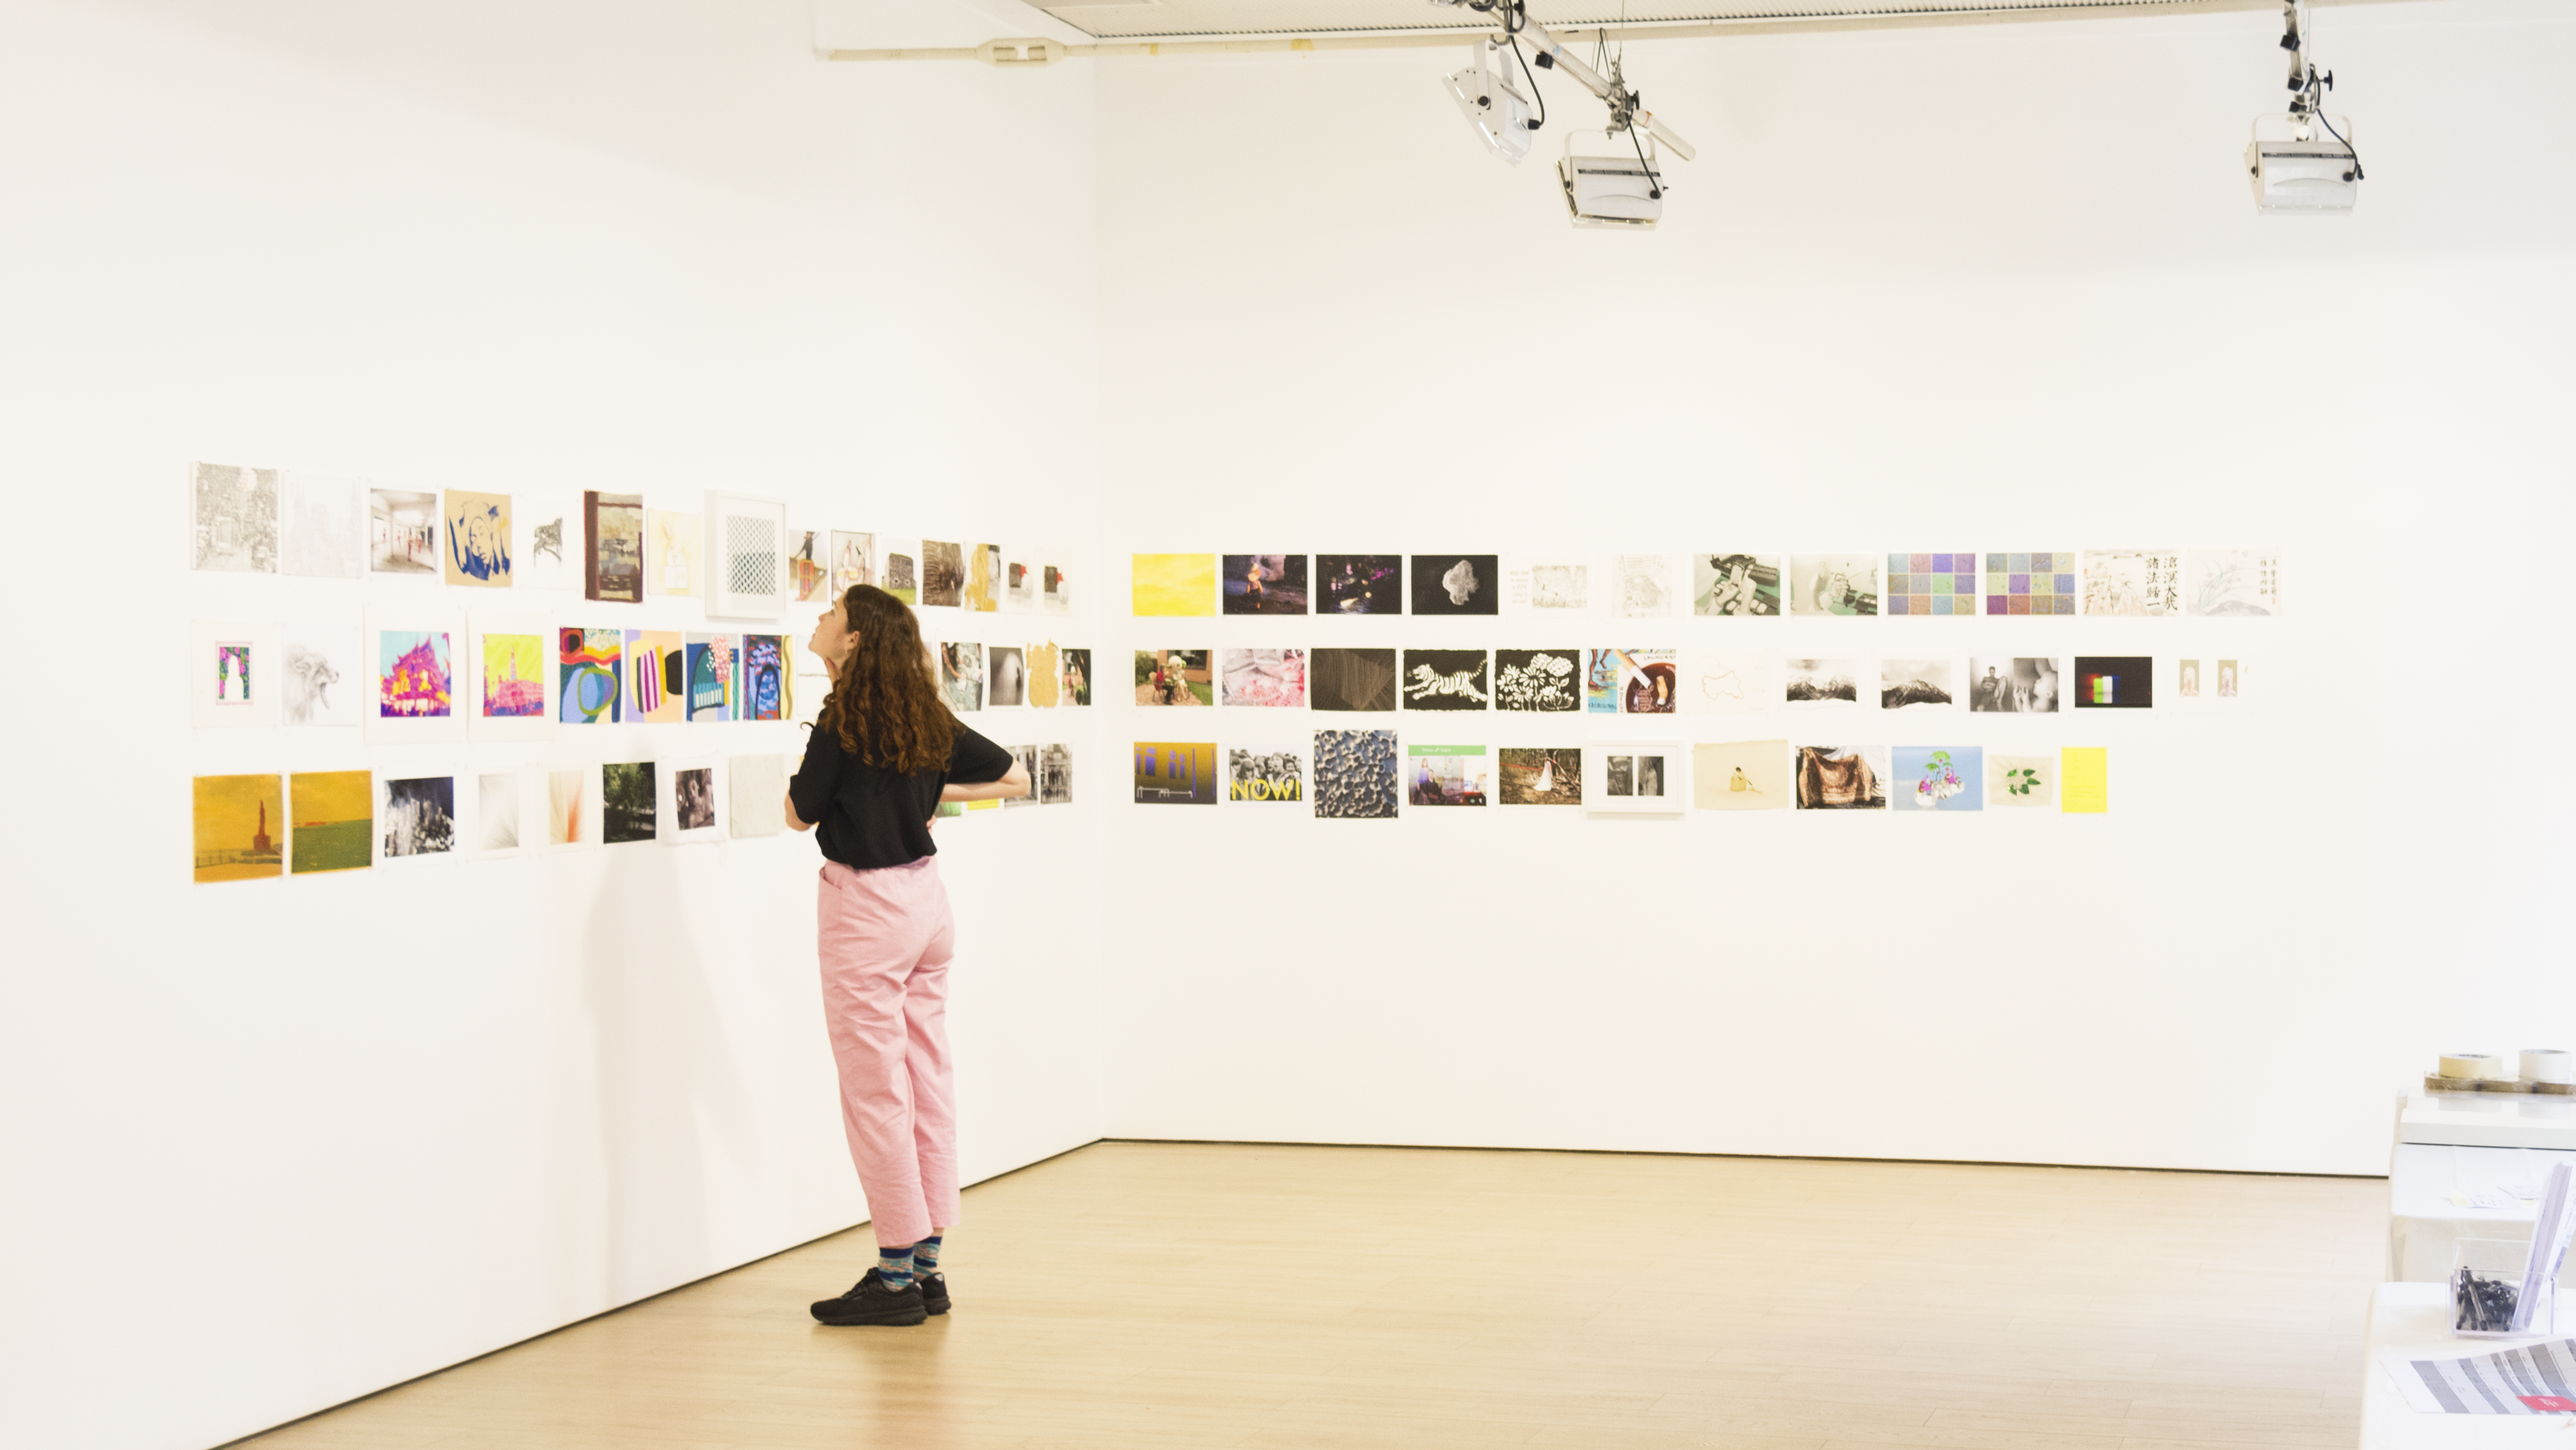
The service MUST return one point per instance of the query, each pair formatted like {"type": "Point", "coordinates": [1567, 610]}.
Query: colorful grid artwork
{"type": "Point", "coordinates": [1931, 583]}
{"type": "Point", "coordinates": [2030, 583]}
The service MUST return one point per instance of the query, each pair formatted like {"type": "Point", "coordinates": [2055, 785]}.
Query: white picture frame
{"type": "Point", "coordinates": [1617, 774]}
{"type": "Point", "coordinates": [236, 675]}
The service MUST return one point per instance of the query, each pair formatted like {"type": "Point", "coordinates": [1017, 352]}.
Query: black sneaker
{"type": "Point", "coordinates": [871, 1302]}
{"type": "Point", "coordinates": [934, 1292]}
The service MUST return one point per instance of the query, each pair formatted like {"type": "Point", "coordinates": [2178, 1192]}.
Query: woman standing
{"type": "Point", "coordinates": [883, 755]}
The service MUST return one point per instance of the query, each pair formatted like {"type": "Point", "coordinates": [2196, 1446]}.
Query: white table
{"type": "Point", "coordinates": [2416, 1317]}
{"type": "Point", "coordinates": [2467, 1143]}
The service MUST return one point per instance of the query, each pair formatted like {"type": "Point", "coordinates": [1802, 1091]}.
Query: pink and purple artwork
{"type": "Point", "coordinates": [412, 675]}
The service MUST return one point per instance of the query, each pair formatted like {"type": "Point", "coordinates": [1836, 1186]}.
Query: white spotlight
{"type": "Point", "coordinates": [2304, 173]}
{"type": "Point", "coordinates": [1489, 96]}
{"type": "Point", "coordinates": [1620, 190]}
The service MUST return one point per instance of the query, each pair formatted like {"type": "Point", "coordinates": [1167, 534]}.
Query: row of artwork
{"type": "Point", "coordinates": [251, 826]}
{"type": "Point", "coordinates": [2148, 583]}
{"type": "Point", "coordinates": [1368, 775]}
{"type": "Point", "coordinates": [739, 553]}
{"type": "Point", "coordinates": [433, 675]}
{"type": "Point", "coordinates": [1656, 681]}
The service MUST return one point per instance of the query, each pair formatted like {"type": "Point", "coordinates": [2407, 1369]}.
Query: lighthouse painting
{"type": "Point", "coordinates": [412, 675]}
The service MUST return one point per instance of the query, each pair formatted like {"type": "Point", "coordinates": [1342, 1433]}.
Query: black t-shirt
{"type": "Point", "coordinates": [867, 816]}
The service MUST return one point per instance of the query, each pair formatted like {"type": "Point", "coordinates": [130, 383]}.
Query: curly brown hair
{"type": "Point", "coordinates": [884, 706]}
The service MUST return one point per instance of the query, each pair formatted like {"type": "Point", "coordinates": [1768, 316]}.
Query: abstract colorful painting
{"type": "Point", "coordinates": [1176, 773]}
{"type": "Point", "coordinates": [240, 827]}
{"type": "Point", "coordinates": [1735, 584]}
{"type": "Point", "coordinates": [1931, 584]}
{"type": "Point", "coordinates": [1447, 775]}
{"type": "Point", "coordinates": [657, 677]}
{"type": "Point", "coordinates": [477, 526]}
{"type": "Point", "coordinates": [1541, 776]}
{"type": "Point", "coordinates": [2142, 582]}
{"type": "Point", "coordinates": [334, 814]}
{"type": "Point", "coordinates": [414, 670]}
{"type": "Point", "coordinates": [2234, 581]}
{"type": "Point", "coordinates": [1172, 584]}
{"type": "Point", "coordinates": [232, 672]}
{"type": "Point", "coordinates": [710, 676]}
{"type": "Point", "coordinates": [589, 667]}
{"type": "Point", "coordinates": [514, 676]}
{"type": "Point", "coordinates": [764, 677]}
{"type": "Point", "coordinates": [628, 808]}
{"type": "Point", "coordinates": [2041, 582]}
{"type": "Point", "coordinates": [2084, 780]}
{"type": "Point", "coordinates": [1742, 775]}
{"type": "Point", "coordinates": [1942, 777]}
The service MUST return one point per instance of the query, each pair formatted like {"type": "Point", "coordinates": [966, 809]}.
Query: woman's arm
{"type": "Point", "coordinates": [796, 822]}
{"type": "Point", "coordinates": [1016, 783]}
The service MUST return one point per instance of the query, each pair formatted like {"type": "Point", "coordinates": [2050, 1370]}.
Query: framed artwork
{"type": "Point", "coordinates": [232, 517]}
{"type": "Point", "coordinates": [1356, 775]}
{"type": "Point", "coordinates": [475, 528]}
{"type": "Point", "coordinates": [657, 677]}
{"type": "Point", "coordinates": [549, 532]}
{"type": "Point", "coordinates": [1736, 584]}
{"type": "Point", "coordinates": [1845, 584]}
{"type": "Point", "coordinates": [674, 554]}
{"type": "Point", "coordinates": [612, 560]}
{"type": "Point", "coordinates": [240, 824]}
{"type": "Point", "coordinates": [1055, 774]}
{"type": "Point", "coordinates": [513, 677]}
{"type": "Point", "coordinates": [712, 677]}
{"type": "Point", "coordinates": [1741, 775]}
{"type": "Point", "coordinates": [1842, 777]}
{"type": "Point", "coordinates": [1266, 773]}
{"type": "Point", "coordinates": [334, 815]}
{"type": "Point", "coordinates": [1457, 584]}
{"type": "Point", "coordinates": [1635, 778]}
{"type": "Point", "coordinates": [1176, 773]}
{"type": "Point", "coordinates": [694, 790]}
{"type": "Point", "coordinates": [1540, 775]}
{"type": "Point", "coordinates": [590, 675]}
{"type": "Point", "coordinates": [748, 537]}
{"type": "Point", "coordinates": [1941, 777]}
{"type": "Point", "coordinates": [416, 816]}
{"type": "Point", "coordinates": [2039, 582]}
{"type": "Point", "coordinates": [403, 533]}
{"type": "Point", "coordinates": [2145, 583]}
{"type": "Point", "coordinates": [1173, 584]}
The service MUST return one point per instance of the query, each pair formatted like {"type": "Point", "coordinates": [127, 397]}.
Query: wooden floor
{"type": "Point", "coordinates": [1148, 1295]}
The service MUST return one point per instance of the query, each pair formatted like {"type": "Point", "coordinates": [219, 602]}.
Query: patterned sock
{"type": "Point", "coordinates": [895, 1267]}
{"type": "Point", "coordinates": [925, 1257]}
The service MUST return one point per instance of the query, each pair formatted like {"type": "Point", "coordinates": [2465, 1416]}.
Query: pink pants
{"type": "Point", "coordinates": [886, 939]}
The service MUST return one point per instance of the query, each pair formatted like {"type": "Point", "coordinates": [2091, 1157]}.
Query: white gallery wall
{"type": "Point", "coordinates": [274, 1144]}
{"type": "Point", "coordinates": [1990, 288]}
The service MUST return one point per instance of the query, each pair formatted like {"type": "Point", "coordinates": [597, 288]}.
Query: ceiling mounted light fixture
{"type": "Point", "coordinates": [1604, 191]}
{"type": "Point", "coordinates": [2303, 173]}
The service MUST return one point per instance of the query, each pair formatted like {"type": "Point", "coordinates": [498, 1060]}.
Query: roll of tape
{"type": "Point", "coordinates": [2472, 1065]}
{"type": "Point", "coordinates": [2548, 1064]}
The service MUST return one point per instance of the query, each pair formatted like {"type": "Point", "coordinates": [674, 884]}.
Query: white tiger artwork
{"type": "Point", "coordinates": [1428, 683]}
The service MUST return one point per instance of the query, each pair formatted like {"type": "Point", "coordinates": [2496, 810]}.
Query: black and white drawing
{"type": "Point", "coordinates": [1355, 775]}
{"type": "Point", "coordinates": [321, 526]}
{"type": "Point", "coordinates": [1447, 679]}
{"type": "Point", "coordinates": [321, 681]}
{"type": "Point", "coordinates": [1538, 679]}
{"type": "Point", "coordinates": [2014, 685]}
{"type": "Point", "coordinates": [1642, 585]}
{"type": "Point", "coordinates": [1904, 684]}
{"type": "Point", "coordinates": [1457, 584]}
{"type": "Point", "coordinates": [1821, 684]}
{"type": "Point", "coordinates": [234, 519]}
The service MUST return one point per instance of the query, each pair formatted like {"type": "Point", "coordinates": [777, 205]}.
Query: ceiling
{"type": "Point", "coordinates": [1175, 18]}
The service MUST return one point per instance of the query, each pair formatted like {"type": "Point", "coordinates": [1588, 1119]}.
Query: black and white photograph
{"type": "Point", "coordinates": [1006, 677]}
{"type": "Point", "coordinates": [1543, 680]}
{"type": "Point", "coordinates": [1027, 756]}
{"type": "Point", "coordinates": [1352, 679]}
{"type": "Point", "coordinates": [1055, 775]}
{"type": "Point", "coordinates": [1457, 584]}
{"type": "Point", "coordinates": [1356, 775]}
{"type": "Point", "coordinates": [1908, 683]}
{"type": "Point", "coordinates": [2015, 685]}
{"type": "Point", "coordinates": [693, 799]}
{"type": "Point", "coordinates": [419, 816]}
{"type": "Point", "coordinates": [1447, 679]}
{"type": "Point", "coordinates": [1821, 684]}
{"type": "Point", "coordinates": [1634, 779]}
{"type": "Point", "coordinates": [234, 519]}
